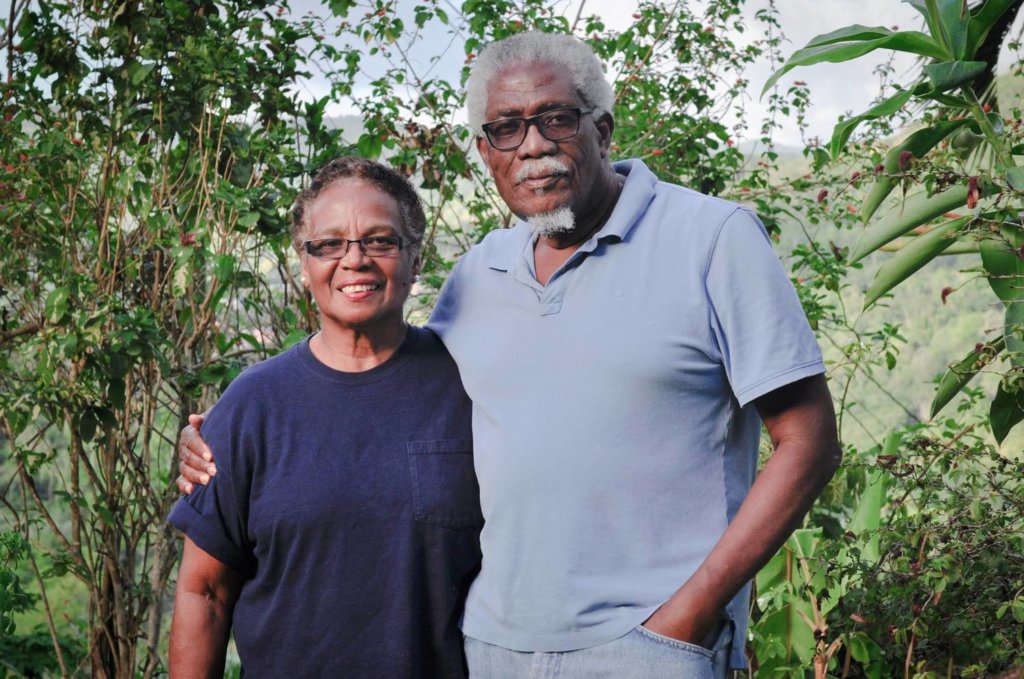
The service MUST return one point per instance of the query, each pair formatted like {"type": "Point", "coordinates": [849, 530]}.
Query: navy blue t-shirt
{"type": "Point", "coordinates": [350, 502]}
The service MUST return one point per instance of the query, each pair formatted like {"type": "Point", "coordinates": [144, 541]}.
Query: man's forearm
{"type": "Point", "coordinates": [199, 636]}
{"type": "Point", "coordinates": [805, 458]}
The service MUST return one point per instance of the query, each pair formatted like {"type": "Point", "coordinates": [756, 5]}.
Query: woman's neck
{"type": "Point", "coordinates": [355, 349]}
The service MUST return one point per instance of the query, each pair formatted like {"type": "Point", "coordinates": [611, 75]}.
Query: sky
{"type": "Point", "coordinates": [835, 88]}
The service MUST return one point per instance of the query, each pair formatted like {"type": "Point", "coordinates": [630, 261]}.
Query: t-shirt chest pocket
{"type": "Point", "coordinates": [444, 487]}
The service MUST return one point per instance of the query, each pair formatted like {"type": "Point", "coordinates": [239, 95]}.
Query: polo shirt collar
{"type": "Point", "coordinates": [637, 194]}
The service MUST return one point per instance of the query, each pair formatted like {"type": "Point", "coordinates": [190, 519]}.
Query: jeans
{"type": "Point", "coordinates": [640, 654]}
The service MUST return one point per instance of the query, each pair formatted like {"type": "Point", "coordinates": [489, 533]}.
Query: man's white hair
{"type": "Point", "coordinates": [565, 52]}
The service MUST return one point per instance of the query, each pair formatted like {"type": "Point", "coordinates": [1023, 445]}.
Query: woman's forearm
{"type": "Point", "coordinates": [199, 636]}
{"type": "Point", "coordinates": [203, 604]}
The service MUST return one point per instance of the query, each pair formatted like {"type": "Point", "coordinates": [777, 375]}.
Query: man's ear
{"type": "Point", "coordinates": [484, 149]}
{"type": "Point", "coordinates": [605, 126]}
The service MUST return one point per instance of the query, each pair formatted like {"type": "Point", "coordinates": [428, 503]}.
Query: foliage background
{"type": "Point", "coordinates": [150, 151]}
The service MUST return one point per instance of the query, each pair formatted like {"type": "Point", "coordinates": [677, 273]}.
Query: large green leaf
{"type": "Point", "coordinates": [1007, 411]}
{"type": "Point", "coordinates": [868, 515]}
{"type": "Point", "coordinates": [931, 17]}
{"type": "Point", "coordinates": [917, 144]}
{"type": "Point", "coordinates": [916, 210]}
{"type": "Point", "coordinates": [957, 377]}
{"type": "Point", "coordinates": [856, 32]}
{"type": "Point", "coordinates": [912, 257]}
{"type": "Point", "coordinates": [950, 74]}
{"type": "Point", "coordinates": [845, 128]}
{"type": "Point", "coordinates": [905, 41]}
{"type": "Point", "coordinates": [982, 20]}
{"type": "Point", "coordinates": [953, 18]}
{"type": "Point", "coordinates": [1015, 178]}
{"type": "Point", "coordinates": [1001, 257]}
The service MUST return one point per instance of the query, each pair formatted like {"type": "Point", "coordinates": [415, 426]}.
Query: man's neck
{"type": "Point", "coordinates": [551, 252]}
{"type": "Point", "coordinates": [589, 222]}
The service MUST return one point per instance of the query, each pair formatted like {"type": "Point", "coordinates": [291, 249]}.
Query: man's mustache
{"type": "Point", "coordinates": [542, 167]}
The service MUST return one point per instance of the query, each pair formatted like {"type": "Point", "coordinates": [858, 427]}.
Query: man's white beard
{"type": "Point", "coordinates": [558, 221]}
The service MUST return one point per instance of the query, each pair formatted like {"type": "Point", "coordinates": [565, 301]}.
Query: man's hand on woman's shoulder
{"type": "Point", "coordinates": [195, 457]}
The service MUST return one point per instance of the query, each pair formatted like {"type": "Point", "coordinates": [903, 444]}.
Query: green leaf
{"type": "Point", "coordinates": [248, 218]}
{"type": "Point", "coordinates": [868, 515]}
{"type": "Point", "coordinates": [918, 144]}
{"type": "Point", "coordinates": [950, 74]}
{"type": "Point", "coordinates": [953, 19]}
{"type": "Point", "coordinates": [340, 8]}
{"type": "Point", "coordinates": [849, 33]}
{"type": "Point", "coordinates": [845, 128]}
{"type": "Point", "coordinates": [56, 305]}
{"type": "Point", "coordinates": [906, 41]}
{"type": "Point", "coordinates": [1013, 331]}
{"type": "Point", "coordinates": [1007, 411]}
{"type": "Point", "coordinates": [957, 377]}
{"type": "Point", "coordinates": [910, 258]}
{"type": "Point", "coordinates": [139, 72]}
{"type": "Point", "coordinates": [917, 210]}
{"type": "Point", "coordinates": [982, 20]}
{"type": "Point", "coordinates": [1015, 178]}
{"type": "Point", "coordinates": [1003, 264]}
{"type": "Point", "coordinates": [369, 146]}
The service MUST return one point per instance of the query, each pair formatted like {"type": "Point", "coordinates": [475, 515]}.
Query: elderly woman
{"type": "Point", "coordinates": [341, 529]}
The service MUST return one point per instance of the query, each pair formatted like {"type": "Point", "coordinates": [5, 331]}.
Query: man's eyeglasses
{"type": "Point", "coordinates": [336, 248]}
{"type": "Point", "coordinates": [558, 124]}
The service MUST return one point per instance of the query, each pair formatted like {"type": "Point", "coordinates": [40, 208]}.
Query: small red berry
{"type": "Point", "coordinates": [822, 195]}
{"type": "Point", "coordinates": [657, 152]}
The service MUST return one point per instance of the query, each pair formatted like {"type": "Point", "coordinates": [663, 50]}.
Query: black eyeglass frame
{"type": "Point", "coordinates": [537, 120]}
{"type": "Point", "coordinates": [309, 246]}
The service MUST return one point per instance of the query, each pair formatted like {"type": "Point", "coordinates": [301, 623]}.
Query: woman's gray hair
{"type": "Point", "coordinates": [563, 51]}
{"type": "Point", "coordinates": [414, 222]}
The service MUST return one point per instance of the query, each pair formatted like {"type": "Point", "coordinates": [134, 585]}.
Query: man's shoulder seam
{"type": "Point", "coordinates": [719, 228]}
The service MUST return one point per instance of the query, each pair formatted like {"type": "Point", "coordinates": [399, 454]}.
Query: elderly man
{"type": "Point", "coordinates": [622, 345]}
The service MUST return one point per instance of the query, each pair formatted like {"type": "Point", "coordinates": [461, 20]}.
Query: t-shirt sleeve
{"type": "Point", "coordinates": [758, 322]}
{"type": "Point", "coordinates": [214, 516]}
{"type": "Point", "coordinates": [447, 304]}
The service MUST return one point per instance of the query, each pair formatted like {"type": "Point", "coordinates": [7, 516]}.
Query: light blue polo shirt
{"type": "Point", "coordinates": [614, 435]}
